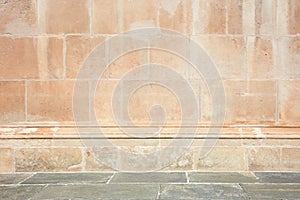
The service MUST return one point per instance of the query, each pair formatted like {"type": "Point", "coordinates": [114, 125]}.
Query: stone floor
{"type": "Point", "coordinates": [153, 185]}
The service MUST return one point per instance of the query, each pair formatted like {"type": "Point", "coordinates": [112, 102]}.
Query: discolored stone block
{"type": "Point", "coordinates": [102, 100]}
{"type": "Point", "coordinates": [78, 48]}
{"type": "Point", "coordinates": [185, 162]}
{"type": "Point", "coordinates": [103, 9]}
{"type": "Point", "coordinates": [235, 14]}
{"type": "Point", "coordinates": [288, 58]}
{"type": "Point", "coordinates": [6, 160]}
{"type": "Point", "coordinates": [211, 17]}
{"type": "Point", "coordinates": [53, 101]}
{"type": "Point", "coordinates": [223, 159]}
{"type": "Point", "coordinates": [64, 16]}
{"type": "Point", "coordinates": [263, 159]}
{"type": "Point", "coordinates": [126, 63]}
{"type": "Point", "coordinates": [289, 101]}
{"type": "Point", "coordinates": [290, 159]}
{"type": "Point", "coordinates": [228, 53]}
{"type": "Point", "coordinates": [139, 14]}
{"type": "Point", "coordinates": [144, 98]}
{"type": "Point", "coordinates": [261, 52]}
{"type": "Point", "coordinates": [171, 60]}
{"type": "Point", "coordinates": [259, 96]}
{"type": "Point", "coordinates": [176, 15]}
{"type": "Point", "coordinates": [48, 159]}
{"type": "Point", "coordinates": [94, 164]}
{"type": "Point", "coordinates": [18, 17]}
{"type": "Point", "coordinates": [252, 17]}
{"type": "Point", "coordinates": [265, 16]}
{"type": "Point", "coordinates": [31, 57]}
{"type": "Point", "coordinates": [124, 15]}
{"type": "Point", "coordinates": [288, 17]}
{"type": "Point", "coordinates": [12, 104]}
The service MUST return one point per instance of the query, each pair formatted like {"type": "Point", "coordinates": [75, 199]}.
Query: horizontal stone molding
{"type": "Point", "coordinates": [167, 132]}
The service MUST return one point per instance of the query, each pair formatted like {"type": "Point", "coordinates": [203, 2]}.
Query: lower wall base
{"type": "Point", "coordinates": [58, 154]}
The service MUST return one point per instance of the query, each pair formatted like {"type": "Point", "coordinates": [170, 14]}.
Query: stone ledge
{"type": "Point", "coordinates": [167, 132]}
{"type": "Point", "coordinates": [237, 148]}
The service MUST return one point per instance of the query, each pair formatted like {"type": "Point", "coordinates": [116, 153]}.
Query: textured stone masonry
{"type": "Point", "coordinates": [254, 43]}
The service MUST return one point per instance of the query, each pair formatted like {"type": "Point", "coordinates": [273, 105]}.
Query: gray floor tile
{"type": "Point", "coordinates": [151, 177]}
{"type": "Point", "coordinates": [272, 191]}
{"type": "Point", "coordinates": [203, 185]}
{"type": "Point", "coordinates": [100, 191]}
{"type": "Point", "coordinates": [274, 195]}
{"type": "Point", "coordinates": [13, 178]}
{"type": "Point", "coordinates": [201, 191]}
{"type": "Point", "coordinates": [220, 177]}
{"type": "Point", "coordinates": [275, 177]}
{"type": "Point", "coordinates": [270, 186]}
{"type": "Point", "coordinates": [63, 178]}
{"type": "Point", "coordinates": [18, 192]}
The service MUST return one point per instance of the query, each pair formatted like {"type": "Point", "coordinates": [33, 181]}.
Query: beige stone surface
{"type": "Point", "coordinates": [290, 143]}
{"type": "Point", "coordinates": [227, 52]}
{"type": "Point", "coordinates": [210, 17]}
{"type": "Point", "coordinates": [139, 103]}
{"type": "Point", "coordinates": [27, 58]}
{"type": "Point", "coordinates": [252, 17]}
{"type": "Point", "coordinates": [288, 58]}
{"type": "Point", "coordinates": [78, 48]}
{"type": "Point", "coordinates": [139, 14]}
{"type": "Point", "coordinates": [169, 59]}
{"type": "Point", "coordinates": [235, 16]}
{"type": "Point", "coordinates": [102, 98]}
{"type": "Point", "coordinates": [94, 164]}
{"type": "Point", "coordinates": [250, 102]}
{"type": "Point", "coordinates": [12, 104]}
{"type": "Point", "coordinates": [290, 159]}
{"type": "Point", "coordinates": [143, 99]}
{"type": "Point", "coordinates": [6, 160]}
{"type": "Point", "coordinates": [223, 159]}
{"type": "Point", "coordinates": [124, 15]}
{"type": "Point", "coordinates": [184, 162]}
{"type": "Point", "coordinates": [102, 11]}
{"type": "Point", "coordinates": [261, 56]}
{"type": "Point", "coordinates": [265, 16]}
{"type": "Point", "coordinates": [52, 100]}
{"type": "Point", "coordinates": [288, 17]}
{"type": "Point", "coordinates": [127, 62]}
{"type": "Point", "coordinates": [289, 102]}
{"type": "Point", "coordinates": [65, 16]}
{"type": "Point", "coordinates": [176, 15]}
